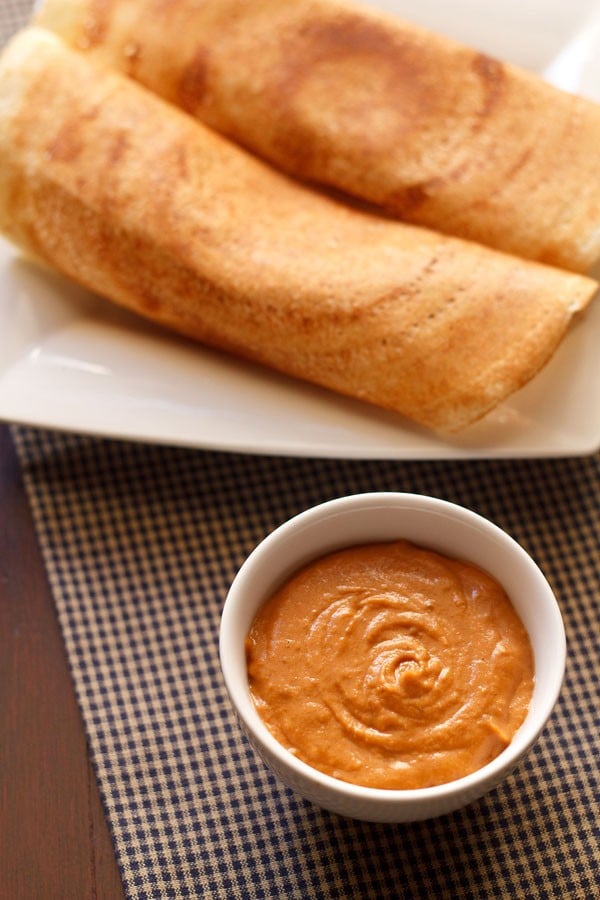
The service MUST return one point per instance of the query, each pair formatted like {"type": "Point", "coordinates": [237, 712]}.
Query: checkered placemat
{"type": "Point", "coordinates": [141, 544]}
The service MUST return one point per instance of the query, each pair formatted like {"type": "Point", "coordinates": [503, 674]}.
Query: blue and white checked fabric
{"type": "Point", "coordinates": [141, 544]}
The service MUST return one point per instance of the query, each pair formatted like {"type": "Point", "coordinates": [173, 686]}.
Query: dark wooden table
{"type": "Point", "coordinates": [54, 840]}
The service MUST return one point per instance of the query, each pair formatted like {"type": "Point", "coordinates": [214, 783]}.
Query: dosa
{"type": "Point", "coordinates": [130, 197]}
{"type": "Point", "coordinates": [432, 132]}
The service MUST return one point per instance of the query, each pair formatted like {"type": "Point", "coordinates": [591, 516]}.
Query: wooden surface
{"type": "Point", "coordinates": [54, 841]}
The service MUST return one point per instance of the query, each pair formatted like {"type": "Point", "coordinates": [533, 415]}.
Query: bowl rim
{"type": "Point", "coordinates": [491, 772]}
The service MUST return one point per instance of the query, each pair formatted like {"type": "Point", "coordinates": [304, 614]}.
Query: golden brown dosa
{"type": "Point", "coordinates": [431, 131]}
{"type": "Point", "coordinates": [134, 199]}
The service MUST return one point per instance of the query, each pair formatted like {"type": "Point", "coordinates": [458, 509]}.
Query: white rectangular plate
{"type": "Point", "coordinates": [72, 361]}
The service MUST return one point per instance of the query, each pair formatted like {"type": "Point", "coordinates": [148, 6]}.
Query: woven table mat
{"type": "Point", "coordinates": [141, 544]}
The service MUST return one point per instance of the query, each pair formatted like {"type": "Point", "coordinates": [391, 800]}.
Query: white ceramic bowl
{"type": "Point", "coordinates": [433, 523]}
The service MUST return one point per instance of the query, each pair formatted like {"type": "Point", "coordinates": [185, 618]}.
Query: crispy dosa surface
{"type": "Point", "coordinates": [433, 132]}
{"type": "Point", "coordinates": [132, 198]}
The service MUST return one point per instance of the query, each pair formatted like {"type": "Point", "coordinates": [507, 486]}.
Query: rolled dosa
{"type": "Point", "coordinates": [432, 132]}
{"type": "Point", "coordinates": [118, 190]}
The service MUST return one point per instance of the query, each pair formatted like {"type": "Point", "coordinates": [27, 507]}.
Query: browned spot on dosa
{"type": "Point", "coordinates": [491, 73]}
{"type": "Point", "coordinates": [193, 81]}
{"type": "Point", "coordinates": [66, 145]}
{"type": "Point", "coordinates": [377, 70]}
{"type": "Point", "coordinates": [96, 25]}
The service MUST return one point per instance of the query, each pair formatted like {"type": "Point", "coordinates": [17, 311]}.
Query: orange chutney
{"type": "Point", "coordinates": [391, 666]}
